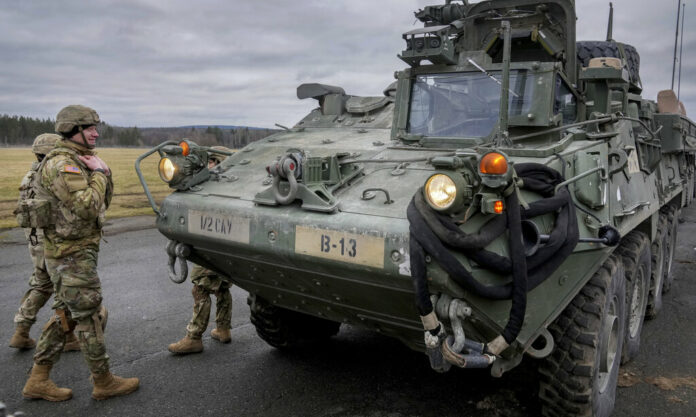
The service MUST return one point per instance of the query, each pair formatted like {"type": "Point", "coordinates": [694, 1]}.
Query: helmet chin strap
{"type": "Point", "coordinates": [84, 139]}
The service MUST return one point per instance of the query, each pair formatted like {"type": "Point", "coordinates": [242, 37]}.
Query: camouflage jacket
{"type": "Point", "coordinates": [79, 199]}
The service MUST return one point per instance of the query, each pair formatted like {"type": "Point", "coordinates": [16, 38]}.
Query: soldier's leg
{"type": "Point", "coordinates": [201, 312]}
{"type": "Point", "coordinates": [192, 342]}
{"type": "Point", "coordinates": [223, 313]}
{"type": "Point", "coordinates": [85, 305]}
{"type": "Point", "coordinates": [48, 351]}
{"type": "Point", "coordinates": [52, 339]}
{"type": "Point", "coordinates": [40, 290]}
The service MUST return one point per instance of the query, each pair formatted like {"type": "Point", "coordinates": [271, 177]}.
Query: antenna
{"type": "Point", "coordinates": [610, 26]}
{"type": "Point", "coordinates": [676, 41]}
{"type": "Point", "coordinates": [681, 46]}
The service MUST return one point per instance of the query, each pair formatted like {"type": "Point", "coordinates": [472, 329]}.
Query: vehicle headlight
{"type": "Point", "coordinates": [167, 169]}
{"type": "Point", "coordinates": [441, 191]}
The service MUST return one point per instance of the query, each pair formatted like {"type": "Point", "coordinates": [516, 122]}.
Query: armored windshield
{"type": "Point", "coordinates": [465, 104]}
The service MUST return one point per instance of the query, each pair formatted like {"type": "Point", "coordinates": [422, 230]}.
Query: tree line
{"type": "Point", "coordinates": [21, 131]}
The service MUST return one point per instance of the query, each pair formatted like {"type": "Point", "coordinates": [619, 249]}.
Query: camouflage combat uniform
{"type": "Point", "coordinates": [40, 286]}
{"type": "Point", "coordinates": [79, 198]}
{"type": "Point", "coordinates": [205, 283]}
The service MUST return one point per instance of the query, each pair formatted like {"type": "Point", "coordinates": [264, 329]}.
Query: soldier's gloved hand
{"type": "Point", "coordinates": [94, 162]}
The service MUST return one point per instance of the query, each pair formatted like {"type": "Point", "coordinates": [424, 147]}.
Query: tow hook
{"type": "Point", "coordinates": [178, 252]}
{"type": "Point", "coordinates": [454, 345]}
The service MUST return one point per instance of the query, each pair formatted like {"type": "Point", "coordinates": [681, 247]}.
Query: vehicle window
{"type": "Point", "coordinates": [564, 102]}
{"type": "Point", "coordinates": [465, 104]}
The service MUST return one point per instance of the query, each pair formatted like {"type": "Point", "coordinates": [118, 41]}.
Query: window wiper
{"type": "Point", "coordinates": [480, 68]}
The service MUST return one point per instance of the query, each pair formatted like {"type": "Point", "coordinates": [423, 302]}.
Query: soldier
{"type": "Point", "coordinates": [78, 185]}
{"type": "Point", "coordinates": [40, 286]}
{"type": "Point", "coordinates": [205, 283]}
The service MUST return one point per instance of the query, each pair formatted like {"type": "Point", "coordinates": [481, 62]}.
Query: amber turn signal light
{"type": "Point", "coordinates": [493, 163]}
{"type": "Point", "coordinates": [498, 207]}
{"type": "Point", "coordinates": [185, 148]}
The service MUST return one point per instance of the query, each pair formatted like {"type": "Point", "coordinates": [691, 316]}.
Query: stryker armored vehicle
{"type": "Point", "coordinates": [510, 193]}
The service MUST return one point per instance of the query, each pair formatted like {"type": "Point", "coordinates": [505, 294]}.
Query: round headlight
{"type": "Point", "coordinates": [167, 169]}
{"type": "Point", "coordinates": [441, 191]}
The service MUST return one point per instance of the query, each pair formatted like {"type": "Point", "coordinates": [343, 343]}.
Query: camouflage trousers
{"type": "Point", "coordinates": [205, 283]}
{"type": "Point", "coordinates": [40, 287]}
{"type": "Point", "coordinates": [77, 306]}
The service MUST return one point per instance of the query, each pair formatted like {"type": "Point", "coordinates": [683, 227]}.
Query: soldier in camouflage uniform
{"type": "Point", "coordinates": [205, 283]}
{"type": "Point", "coordinates": [78, 185]}
{"type": "Point", "coordinates": [40, 286]}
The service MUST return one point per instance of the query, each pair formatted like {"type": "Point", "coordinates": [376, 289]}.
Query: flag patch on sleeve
{"type": "Point", "coordinates": [71, 169]}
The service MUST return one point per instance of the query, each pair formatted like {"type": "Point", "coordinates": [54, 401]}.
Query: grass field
{"type": "Point", "coordinates": [129, 198]}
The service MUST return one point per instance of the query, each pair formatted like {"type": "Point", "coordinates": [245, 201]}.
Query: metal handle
{"type": "Point", "coordinates": [142, 179]}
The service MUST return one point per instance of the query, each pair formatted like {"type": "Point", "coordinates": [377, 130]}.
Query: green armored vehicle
{"type": "Point", "coordinates": [511, 193]}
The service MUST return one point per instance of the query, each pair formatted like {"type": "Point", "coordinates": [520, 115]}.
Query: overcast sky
{"type": "Point", "coordinates": [179, 62]}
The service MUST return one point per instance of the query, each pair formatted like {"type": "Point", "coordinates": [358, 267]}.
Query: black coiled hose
{"type": "Point", "coordinates": [437, 235]}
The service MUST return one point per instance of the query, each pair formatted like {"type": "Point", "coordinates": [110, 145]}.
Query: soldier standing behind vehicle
{"type": "Point", "coordinates": [207, 282]}
{"type": "Point", "coordinates": [78, 186]}
{"type": "Point", "coordinates": [40, 286]}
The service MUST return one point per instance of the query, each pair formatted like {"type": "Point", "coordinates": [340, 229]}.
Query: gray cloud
{"type": "Point", "coordinates": [168, 63]}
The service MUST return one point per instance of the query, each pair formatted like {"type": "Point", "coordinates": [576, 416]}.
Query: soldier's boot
{"type": "Point", "coordinates": [71, 343]}
{"type": "Point", "coordinates": [20, 339]}
{"type": "Point", "coordinates": [40, 386]}
{"type": "Point", "coordinates": [222, 335]}
{"type": "Point", "coordinates": [186, 345]}
{"type": "Point", "coordinates": [108, 385]}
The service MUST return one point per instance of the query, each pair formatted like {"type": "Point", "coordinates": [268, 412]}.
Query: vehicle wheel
{"type": "Point", "coordinates": [636, 258]}
{"type": "Point", "coordinates": [579, 378]}
{"type": "Point", "coordinates": [283, 328]}
{"type": "Point", "coordinates": [671, 244]}
{"type": "Point", "coordinates": [659, 253]}
{"type": "Point", "coordinates": [587, 50]}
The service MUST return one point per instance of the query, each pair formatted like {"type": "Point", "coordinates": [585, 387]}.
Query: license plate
{"type": "Point", "coordinates": [340, 246]}
{"type": "Point", "coordinates": [218, 225]}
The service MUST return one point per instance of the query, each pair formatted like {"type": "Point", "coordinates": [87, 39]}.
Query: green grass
{"type": "Point", "coordinates": [129, 197]}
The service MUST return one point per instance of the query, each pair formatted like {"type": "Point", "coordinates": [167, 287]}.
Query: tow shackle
{"type": "Point", "coordinates": [289, 168]}
{"type": "Point", "coordinates": [177, 252]}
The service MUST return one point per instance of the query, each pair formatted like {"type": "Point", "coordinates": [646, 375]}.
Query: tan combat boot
{"type": "Point", "coordinates": [40, 386]}
{"type": "Point", "coordinates": [186, 345]}
{"type": "Point", "coordinates": [71, 343]}
{"type": "Point", "coordinates": [223, 335]}
{"type": "Point", "coordinates": [20, 338]}
{"type": "Point", "coordinates": [108, 385]}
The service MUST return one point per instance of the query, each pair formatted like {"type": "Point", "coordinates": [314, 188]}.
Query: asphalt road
{"type": "Point", "coordinates": [357, 373]}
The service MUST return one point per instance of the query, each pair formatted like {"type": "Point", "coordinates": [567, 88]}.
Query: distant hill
{"type": "Point", "coordinates": [21, 131]}
{"type": "Point", "coordinates": [224, 127]}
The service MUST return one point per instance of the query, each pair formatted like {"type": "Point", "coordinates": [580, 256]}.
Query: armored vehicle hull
{"type": "Point", "coordinates": [510, 193]}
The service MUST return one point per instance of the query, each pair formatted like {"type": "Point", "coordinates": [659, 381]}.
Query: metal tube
{"type": "Point", "coordinates": [505, 93]}
{"type": "Point", "coordinates": [142, 179]}
{"type": "Point", "coordinates": [681, 47]}
{"type": "Point", "coordinates": [676, 41]}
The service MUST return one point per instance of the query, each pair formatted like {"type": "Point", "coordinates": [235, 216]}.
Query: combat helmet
{"type": "Point", "coordinates": [74, 117]}
{"type": "Point", "coordinates": [219, 157]}
{"type": "Point", "coordinates": [44, 143]}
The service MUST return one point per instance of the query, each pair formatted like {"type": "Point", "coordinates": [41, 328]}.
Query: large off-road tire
{"type": "Point", "coordinates": [283, 328]}
{"type": "Point", "coordinates": [579, 377]}
{"type": "Point", "coordinates": [586, 50]}
{"type": "Point", "coordinates": [659, 252]}
{"type": "Point", "coordinates": [636, 257]}
{"type": "Point", "coordinates": [672, 214]}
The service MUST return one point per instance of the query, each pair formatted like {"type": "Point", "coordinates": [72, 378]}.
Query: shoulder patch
{"type": "Point", "coordinates": [72, 169]}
